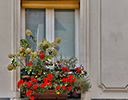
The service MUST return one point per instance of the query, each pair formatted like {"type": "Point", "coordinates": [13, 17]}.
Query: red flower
{"type": "Point", "coordinates": [45, 79]}
{"type": "Point", "coordinates": [30, 63]}
{"type": "Point", "coordinates": [69, 88]}
{"type": "Point", "coordinates": [71, 81]}
{"type": "Point", "coordinates": [50, 84]}
{"type": "Point", "coordinates": [58, 61]}
{"type": "Point", "coordinates": [68, 70]}
{"type": "Point", "coordinates": [70, 76]}
{"type": "Point", "coordinates": [64, 87]}
{"type": "Point", "coordinates": [49, 74]}
{"type": "Point", "coordinates": [28, 84]}
{"type": "Point", "coordinates": [50, 78]}
{"type": "Point", "coordinates": [19, 83]}
{"type": "Point", "coordinates": [32, 98]}
{"type": "Point", "coordinates": [42, 85]}
{"type": "Point", "coordinates": [65, 79]}
{"type": "Point", "coordinates": [42, 56]}
{"type": "Point", "coordinates": [78, 71]}
{"type": "Point", "coordinates": [65, 69]}
{"type": "Point", "coordinates": [29, 91]}
{"type": "Point", "coordinates": [41, 51]}
{"type": "Point", "coordinates": [35, 86]}
{"type": "Point", "coordinates": [33, 79]}
{"type": "Point", "coordinates": [59, 65]}
{"type": "Point", "coordinates": [74, 78]}
{"type": "Point", "coordinates": [46, 63]}
{"type": "Point", "coordinates": [58, 87]}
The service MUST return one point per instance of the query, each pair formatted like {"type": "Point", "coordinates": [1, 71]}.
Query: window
{"type": "Point", "coordinates": [52, 23]}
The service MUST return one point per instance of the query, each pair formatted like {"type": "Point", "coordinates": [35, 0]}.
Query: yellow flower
{"type": "Point", "coordinates": [46, 44]}
{"type": "Point", "coordinates": [58, 40]}
{"type": "Point", "coordinates": [10, 55]}
{"type": "Point", "coordinates": [40, 44]}
{"type": "Point", "coordinates": [54, 52]}
{"type": "Point", "coordinates": [36, 76]}
{"type": "Point", "coordinates": [17, 54]}
{"type": "Point", "coordinates": [35, 54]}
{"type": "Point", "coordinates": [10, 67]}
{"type": "Point", "coordinates": [21, 49]}
{"type": "Point", "coordinates": [57, 92]}
{"type": "Point", "coordinates": [44, 40]}
{"type": "Point", "coordinates": [54, 44]}
{"type": "Point", "coordinates": [32, 55]}
{"type": "Point", "coordinates": [28, 50]}
{"type": "Point", "coordinates": [80, 74]}
{"type": "Point", "coordinates": [28, 32]}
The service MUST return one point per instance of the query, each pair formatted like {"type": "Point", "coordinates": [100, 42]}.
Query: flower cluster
{"type": "Point", "coordinates": [44, 70]}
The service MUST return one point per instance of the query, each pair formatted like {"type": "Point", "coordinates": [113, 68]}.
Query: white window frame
{"type": "Point", "coordinates": [50, 28]}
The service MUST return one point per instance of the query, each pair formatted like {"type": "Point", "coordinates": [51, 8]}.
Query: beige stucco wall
{"type": "Point", "coordinates": [5, 47]}
{"type": "Point", "coordinates": [103, 46]}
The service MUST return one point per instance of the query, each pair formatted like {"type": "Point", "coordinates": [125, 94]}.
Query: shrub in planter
{"type": "Point", "coordinates": [45, 71]}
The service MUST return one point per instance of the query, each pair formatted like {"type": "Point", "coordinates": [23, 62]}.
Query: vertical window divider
{"type": "Point", "coordinates": [50, 25]}
{"type": "Point", "coordinates": [77, 35]}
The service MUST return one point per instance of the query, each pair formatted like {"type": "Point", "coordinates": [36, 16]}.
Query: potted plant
{"type": "Point", "coordinates": [44, 72]}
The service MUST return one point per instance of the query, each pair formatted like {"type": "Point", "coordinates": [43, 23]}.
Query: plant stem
{"type": "Point", "coordinates": [20, 61]}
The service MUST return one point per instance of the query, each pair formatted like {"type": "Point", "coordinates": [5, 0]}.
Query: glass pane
{"type": "Point", "coordinates": [35, 21]}
{"type": "Point", "coordinates": [65, 28]}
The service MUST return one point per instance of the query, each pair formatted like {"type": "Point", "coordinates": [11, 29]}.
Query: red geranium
{"type": "Point", "coordinates": [41, 51]}
{"type": "Point", "coordinates": [45, 79]}
{"type": "Point", "coordinates": [58, 87]}
{"type": "Point", "coordinates": [78, 71]}
{"type": "Point", "coordinates": [50, 84]}
{"type": "Point", "coordinates": [46, 63]}
{"type": "Point", "coordinates": [32, 98]}
{"type": "Point", "coordinates": [70, 76]}
{"type": "Point", "coordinates": [59, 65]}
{"type": "Point", "coordinates": [71, 80]}
{"type": "Point", "coordinates": [35, 86]}
{"type": "Point", "coordinates": [74, 78]}
{"type": "Point", "coordinates": [65, 79]}
{"type": "Point", "coordinates": [58, 61]}
{"type": "Point", "coordinates": [42, 56]}
{"type": "Point", "coordinates": [64, 87]}
{"type": "Point", "coordinates": [42, 85]}
{"type": "Point", "coordinates": [30, 63]}
{"type": "Point", "coordinates": [49, 74]}
{"type": "Point", "coordinates": [28, 84]}
{"type": "Point", "coordinates": [33, 79]}
{"type": "Point", "coordinates": [65, 69]}
{"type": "Point", "coordinates": [19, 83]}
{"type": "Point", "coordinates": [29, 91]}
{"type": "Point", "coordinates": [69, 88]}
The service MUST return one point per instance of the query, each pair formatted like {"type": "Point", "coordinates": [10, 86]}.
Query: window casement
{"type": "Point", "coordinates": [52, 23]}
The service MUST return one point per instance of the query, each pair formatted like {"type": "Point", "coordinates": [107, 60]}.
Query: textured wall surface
{"type": "Point", "coordinates": [5, 48]}
{"type": "Point", "coordinates": [109, 49]}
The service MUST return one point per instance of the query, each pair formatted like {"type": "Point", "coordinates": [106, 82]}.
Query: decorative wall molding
{"type": "Point", "coordinates": [100, 82]}
{"type": "Point", "coordinates": [15, 36]}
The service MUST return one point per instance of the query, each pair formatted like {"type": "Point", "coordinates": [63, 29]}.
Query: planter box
{"type": "Point", "coordinates": [50, 94]}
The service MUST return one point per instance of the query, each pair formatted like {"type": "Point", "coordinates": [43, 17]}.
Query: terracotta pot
{"type": "Point", "coordinates": [50, 94]}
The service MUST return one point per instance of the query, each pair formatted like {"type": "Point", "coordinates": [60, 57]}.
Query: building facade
{"type": "Point", "coordinates": [100, 37]}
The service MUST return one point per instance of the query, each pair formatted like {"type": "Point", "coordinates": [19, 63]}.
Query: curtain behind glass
{"type": "Point", "coordinates": [35, 21]}
{"type": "Point", "coordinates": [65, 28]}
